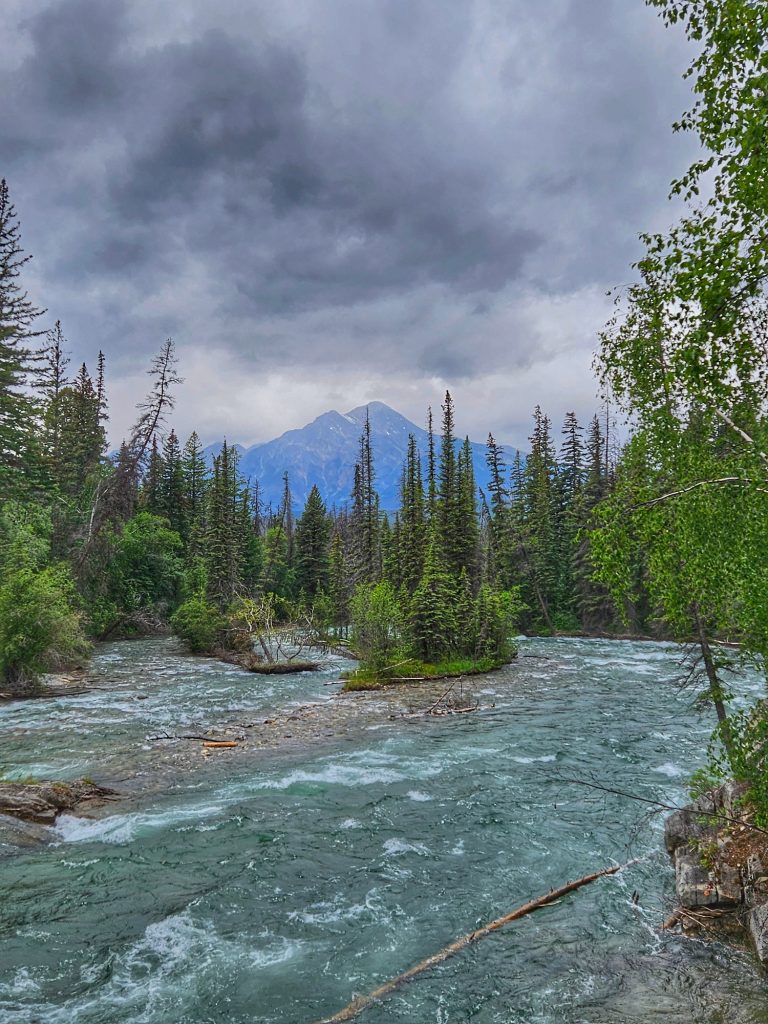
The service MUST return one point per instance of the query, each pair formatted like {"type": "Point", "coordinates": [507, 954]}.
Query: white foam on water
{"type": "Point", "coordinates": [22, 984]}
{"type": "Point", "coordinates": [350, 823]}
{"type": "Point", "coordinates": [329, 913]}
{"type": "Point", "coordinates": [418, 796]}
{"type": "Point", "coordinates": [672, 771]}
{"type": "Point", "coordinates": [156, 979]}
{"type": "Point", "coordinates": [351, 775]}
{"type": "Point", "coordinates": [533, 760]}
{"type": "Point", "coordinates": [123, 828]}
{"type": "Point", "coordinates": [397, 847]}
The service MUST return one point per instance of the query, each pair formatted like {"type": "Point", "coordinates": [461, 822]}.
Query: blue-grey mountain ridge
{"type": "Point", "coordinates": [325, 451]}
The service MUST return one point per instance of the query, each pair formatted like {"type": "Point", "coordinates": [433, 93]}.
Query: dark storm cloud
{"type": "Point", "coordinates": [331, 180]}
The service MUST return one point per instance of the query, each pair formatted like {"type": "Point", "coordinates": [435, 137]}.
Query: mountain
{"type": "Point", "coordinates": [325, 451]}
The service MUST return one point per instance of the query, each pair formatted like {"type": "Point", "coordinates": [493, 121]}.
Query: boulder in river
{"type": "Point", "coordinates": [43, 802]}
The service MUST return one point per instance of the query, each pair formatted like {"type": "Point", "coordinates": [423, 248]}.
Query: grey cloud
{"type": "Point", "coordinates": [332, 181]}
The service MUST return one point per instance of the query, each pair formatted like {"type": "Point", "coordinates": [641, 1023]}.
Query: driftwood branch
{"type": "Point", "coordinates": [187, 736]}
{"type": "Point", "coordinates": [441, 698]}
{"type": "Point", "coordinates": [363, 1002]}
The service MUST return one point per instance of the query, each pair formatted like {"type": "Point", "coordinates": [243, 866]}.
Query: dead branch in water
{"type": "Point", "coordinates": [441, 698]}
{"type": "Point", "coordinates": [188, 736]}
{"type": "Point", "coordinates": [363, 1002]}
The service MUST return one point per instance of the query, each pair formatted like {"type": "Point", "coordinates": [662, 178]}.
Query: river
{"type": "Point", "coordinates": [273, 890]}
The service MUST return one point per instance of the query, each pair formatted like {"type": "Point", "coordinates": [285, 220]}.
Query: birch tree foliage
{"type": "Point", "coordinates": [686, 352]}
{"type": "Point", "coordinates": [688, 327]}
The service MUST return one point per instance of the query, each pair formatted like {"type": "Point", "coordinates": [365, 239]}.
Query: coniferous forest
{"type": "Point", "coordinates": [99, 545]}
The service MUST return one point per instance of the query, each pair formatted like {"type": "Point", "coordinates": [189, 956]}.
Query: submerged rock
{"type": "Point", "coordinates": [43, 802]}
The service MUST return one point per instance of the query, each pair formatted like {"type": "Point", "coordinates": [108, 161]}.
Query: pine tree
{"type": "Point", "coordinates": [448, 501]}
{"type": "Point", "coordinates": [151, 495]}
{"type": "Point", "coordinates": [172, 486]}
{"type": "Point", "coordinates": [467, 530]}
{"type": "Point", "coordinates": [286, 519]}
{"type": "Point", "coordinates": [569, 516]}
{"type": "Point", "coordinates": [433, 619]}
{"type": "Point", "coordinates": [431, 468]}
{"type": "Point", "coordinates": [501, 555]}
{"type": "Point", "coordinates": [339, 585]}
{"type": "Point", "coordinates": [51, 383]}
{"type": "Point", "coordinates": [195, 479]}
{"type": "Point", "coordinates": [411, 522]}
{"type": "Point", "coordinates": [18, 452]}
{"type": "Point", "coordinates": [81, 437]}
{"type": "Point", "coordinates": [365, 513]}
{"type": "Point", "coordinates": [222, 550]}
{"type": "Point", "coordinates": [312, 546]}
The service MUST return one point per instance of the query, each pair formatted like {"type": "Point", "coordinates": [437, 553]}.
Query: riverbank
{"type": "Point", "coordinates": [721, 868]}
{"type": "Point", "coordinates": [158, 738]}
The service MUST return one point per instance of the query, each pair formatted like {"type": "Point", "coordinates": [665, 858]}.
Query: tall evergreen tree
{"type": "Point", "coordinates": [411, 523]}
{"type": "Point", "coordinates": [172, 486]}
{"type": "Point", "coordinates": [312, 546]}
{"type": "Point", "coordinates": [18, 452]}
{"type": "Point", "coordinates": [52, 381]}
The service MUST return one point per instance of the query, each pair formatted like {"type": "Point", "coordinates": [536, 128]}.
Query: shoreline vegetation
{"type": "Point", "coordinates": [366, 678]}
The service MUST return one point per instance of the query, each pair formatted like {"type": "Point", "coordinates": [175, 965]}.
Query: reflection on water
{"type": "Point", "coordinates": [274, 895]}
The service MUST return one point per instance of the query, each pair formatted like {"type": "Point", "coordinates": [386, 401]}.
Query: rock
{"type": "Point", "coordinates": [694, 886]}
{"type": "Point", "coordinates": [699, 887]}
{"type": "Point", "coordinates": [688, 824]}
{"type": "Point", "coordinates": [757, 923]}
{"type": "Point", "coordinates": [730, 891]}
{"type": "Point", "coordinates": [732, 794]}
{"type": "Point", "coordinates": [43, 802]}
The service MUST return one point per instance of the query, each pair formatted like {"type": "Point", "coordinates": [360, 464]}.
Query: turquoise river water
{"type": "Point", "coordinates": [274, 890]}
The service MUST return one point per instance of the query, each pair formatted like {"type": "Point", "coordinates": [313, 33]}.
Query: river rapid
{"type": "Point", "coordinates": [274, 889]}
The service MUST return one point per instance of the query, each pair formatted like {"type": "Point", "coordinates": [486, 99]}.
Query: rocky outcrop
{"type": "Point", "coordinates": [43, 802]}
{"type": "Point", "coordinates": [721, 865]}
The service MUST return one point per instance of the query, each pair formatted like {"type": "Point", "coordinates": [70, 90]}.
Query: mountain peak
{"type": "Point", "coordinates": [324, 452]}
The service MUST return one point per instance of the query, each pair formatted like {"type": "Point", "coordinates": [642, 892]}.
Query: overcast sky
{"type": "Point", "coordinates": [326, 202]}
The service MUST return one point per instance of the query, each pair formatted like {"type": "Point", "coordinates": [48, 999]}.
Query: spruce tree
{"type": "Point", "coordinates": [467, 529]}
{"type": "Point", "coordinates": [194, 479]}
{"type": "Point", "coordinates": [448, 501]}
{"type": "Point", "coordinates": [151, 495]}
{"type": "Point", "coordinates": [312, 546]}
{"type": "Point", "coordinates": [52, 381]}
{"type": "Point", "coordinates": [339, 585]}
{"type": "Point", "coordinates": [172, 486]}
{"type": "Point", "coordinates": [365, 513]}
{"type": "Point", "coordinates": [411, 522]}
{"type": "Point", "coordinates": [19, 455]}
{"type": "Point", "coordinates": [433, 619]}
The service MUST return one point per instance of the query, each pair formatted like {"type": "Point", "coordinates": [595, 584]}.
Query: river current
{"type": "Point", "coordinates": [275, 890]}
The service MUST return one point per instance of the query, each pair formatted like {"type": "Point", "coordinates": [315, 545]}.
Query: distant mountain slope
{"type": "Point", "coordinates": [325, 451]}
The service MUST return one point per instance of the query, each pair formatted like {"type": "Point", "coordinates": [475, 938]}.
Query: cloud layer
{"type": "Point", "coordinates": [331, 201]}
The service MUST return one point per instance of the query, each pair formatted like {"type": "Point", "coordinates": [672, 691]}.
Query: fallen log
{"type": "Point", "coordinates": [361, 1003]}
{"type": "Point", "coordinates": [220, 743]}
{"type": "Point", "coordinates": [185, 736]}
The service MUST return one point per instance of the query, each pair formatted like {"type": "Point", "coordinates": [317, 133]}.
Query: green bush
{"type": "Point", "coordinates": [495, 619]}
{"type": "Point", "coordinates": [739, 750]}
{"type": "Point", "coordinates": [199, 624]}
{"type": "Point", "coordinates": [377, 626]}
{"type": "Point", "coordinates": [146, 567]}
{"type": "Point", "coordinates": [40, 625]}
